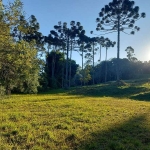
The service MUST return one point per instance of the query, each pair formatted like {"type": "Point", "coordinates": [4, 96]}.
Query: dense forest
{"type": "Point", "coordinates": [31, 62]}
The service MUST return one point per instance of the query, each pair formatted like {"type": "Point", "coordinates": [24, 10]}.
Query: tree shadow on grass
{"type": "Point", "coordinates": [142, 97]}
{"type": "Point", "coordinates": [108, 91]}
{"type": "Point", "coordinates": [53, 91]}
{"type": "Point", "coordinates": [131, 135]}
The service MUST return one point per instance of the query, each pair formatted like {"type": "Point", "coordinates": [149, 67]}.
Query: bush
{"type": "Point", "coordinates": [2, 91]}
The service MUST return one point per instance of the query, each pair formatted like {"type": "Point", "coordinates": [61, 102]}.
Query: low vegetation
{"type": "Point", "coordinates": [89, 118]}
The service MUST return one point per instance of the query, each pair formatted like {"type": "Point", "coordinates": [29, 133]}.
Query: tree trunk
{"type": "Point", "coordinates": [106, 66]}
{"type": "Point", "coordinates": [63, 70]}
{"type": "Point", "coordinates": [8, 90]}
{"type": "Point", "coordinates": [100, 53]}
{"type": "Point", "coordinates": [118, 50]}
{"type": "Point", "coordinates": [66, 77]}
{"type": "Point", "coordinates": [70, 65]}
{"type": "Point", "coordinates": [93, 64]}
{"type": "Point", "coordinates": [53, 68]}
{"type": "Point", "coordinates": [82, 82]}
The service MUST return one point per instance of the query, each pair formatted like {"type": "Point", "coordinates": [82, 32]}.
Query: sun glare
{"type": "Point", "coordinates": [147, 53]}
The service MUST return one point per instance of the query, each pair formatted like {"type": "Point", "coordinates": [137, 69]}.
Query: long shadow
{"type": "Point", "coordinates": [108, 91]}
{"type": "Point", "coordinates": [131, 135]}
{"type": "Point", "coordinates": [132, 92]}
{"type": "Point", "coordinates": [142, 97]}
{"type": "Point", "coordinates": [53, 91]}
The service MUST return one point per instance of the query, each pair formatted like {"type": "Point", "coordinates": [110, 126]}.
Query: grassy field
{"type": "Point", "coordinates": [102, 117]}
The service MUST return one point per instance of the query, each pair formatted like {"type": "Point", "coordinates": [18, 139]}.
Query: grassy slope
{"type": "Point", "coordinates": [90, 118]}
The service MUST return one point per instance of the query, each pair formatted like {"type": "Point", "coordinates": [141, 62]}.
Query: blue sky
{"type": "Point", "coordinates": [50, 12]}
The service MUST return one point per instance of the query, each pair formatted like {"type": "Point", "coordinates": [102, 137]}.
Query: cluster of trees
{"type": "Point", "coordinates": [22, 46]}
{"type": "Point", "coordinates": [102, 72]}
{"type": "Point", "coordinates": [129, 70]}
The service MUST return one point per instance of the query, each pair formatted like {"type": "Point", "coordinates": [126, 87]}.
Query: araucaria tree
{"type": "Point", "coordinates": [68, 35]}
{"type": "Point", "coordinates": [118, 16]}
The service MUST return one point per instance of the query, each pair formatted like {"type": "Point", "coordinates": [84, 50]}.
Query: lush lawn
{"type": "Point", "coordinates": [103, 117]}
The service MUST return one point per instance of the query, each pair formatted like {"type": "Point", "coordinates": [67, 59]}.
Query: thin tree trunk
{"type": "Point", "coordinates": [70, 65]}
{"type": "Point", "coordinates": [53, 68]}
{"type": "Point", "coordinates": [82, 57]}
{"type": "Point", "coordinates": [106, 66]}
{"type": "Point", "coordinates": [8, 90]}
{"type": "Point", "coordinates": [100, 62]}
{"type": "Point", "coordinates": [63, 70]}
{"type": "Point", "coordinates": [118, 49]}
{"type": "Point", "coordinates": [100, 53]}
{"type": "Point", "coordinates": [82, 82]}
{"type": "Point", "coordinates": [20, 36]}
{"type": "Point", "coordinates": [48, 47]}
{"type": "Point", "coordinates": [66, 78]}
{"type": "Point", "coordinates": [93, 63]}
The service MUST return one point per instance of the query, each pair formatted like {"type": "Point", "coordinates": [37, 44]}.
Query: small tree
{"type": "Point", "coordinates": [86, 74]}
{"type": "Point", "coordinates": [118, 16]}
{"type": "Point", "coordinates": [130, 54]}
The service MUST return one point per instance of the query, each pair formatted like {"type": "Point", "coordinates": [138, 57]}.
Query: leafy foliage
{"type": "Point", "coordinates": [19, 65]}
{"type": "Point", "coordinates": [55, 69]}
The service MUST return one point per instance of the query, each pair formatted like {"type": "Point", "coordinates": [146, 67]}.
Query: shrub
{"type": "Point", "coordinates": [2, 91]}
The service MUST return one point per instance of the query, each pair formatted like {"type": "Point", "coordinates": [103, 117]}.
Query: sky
{"type": "Point", "coordinates": [50, 12]}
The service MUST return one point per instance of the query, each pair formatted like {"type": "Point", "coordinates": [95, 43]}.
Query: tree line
{"type": "Point", "coordinates": [23, 47]}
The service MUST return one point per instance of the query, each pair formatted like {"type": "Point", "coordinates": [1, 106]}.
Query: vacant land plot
{"type": "Point", "coordinates": [90, 118]}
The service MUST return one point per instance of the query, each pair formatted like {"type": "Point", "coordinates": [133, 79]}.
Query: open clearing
{"type": "Point", "coordinates": [98, 117]}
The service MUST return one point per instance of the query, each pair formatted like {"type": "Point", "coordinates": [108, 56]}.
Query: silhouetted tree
{"type": "Point", "coordinates": [54, 66]}
{"type": "Point", "coordinates": [107, 43]}
{"type": "Point", "coordinates": [28, 30]}
{"type": "Point", "coordinates": [100, 41]}
{"type": "Point", "coordinates": [90, 55]}
{"type": "Point", "coordinates": [118, 16]}
{"type": "Point", "coordinates": [83, 44]}
{"type": "Point", "coordinates": [55, 43]}
{"type": "Point", "coordinates": [130, 54]}
{"type": "Point", "coordinates": [69, 35]}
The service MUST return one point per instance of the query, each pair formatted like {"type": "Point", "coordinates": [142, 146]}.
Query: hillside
{"type": "Point", "coordinates": [97, 117]}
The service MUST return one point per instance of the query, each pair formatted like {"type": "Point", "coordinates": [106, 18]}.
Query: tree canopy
{"type": "Point", "coordinates": [119, 16]}
{"type": "Point", "coordinates": [19, 64]}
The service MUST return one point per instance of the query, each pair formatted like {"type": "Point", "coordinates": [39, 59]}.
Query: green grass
{"type": "Point", "coordinates": [102, 117]}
